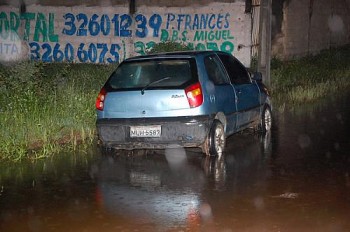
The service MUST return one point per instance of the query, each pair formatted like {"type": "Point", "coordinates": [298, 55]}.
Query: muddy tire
{"type": "Point", "coordinates": [215, 142]}
{"type": "Point", "coordinates": [266, 120]}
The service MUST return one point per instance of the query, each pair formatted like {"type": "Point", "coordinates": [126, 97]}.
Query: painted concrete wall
{"type": "Point", "coordinates": [309, 26]}
{"type": "Point", "coordinates": [109, 33]}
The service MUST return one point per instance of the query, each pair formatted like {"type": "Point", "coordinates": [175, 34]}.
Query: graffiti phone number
{"type": "Point", "coordinates": [92, 52]}
{"type": "Point", "coordinates": [118, 25]}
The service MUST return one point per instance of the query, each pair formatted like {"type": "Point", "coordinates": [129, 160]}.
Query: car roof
{"type": "Point", "coordinates": [182, 54]}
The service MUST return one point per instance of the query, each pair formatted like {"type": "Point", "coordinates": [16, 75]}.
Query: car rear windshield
{"type": "Point", "coordinates": [153, 74]}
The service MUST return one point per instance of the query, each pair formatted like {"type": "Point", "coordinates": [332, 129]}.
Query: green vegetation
{"type": "Point", "coordinates": [43, 106]}
{"type": "Point", "coordinates": [49, 108]}
{"type": "Point", "coordinates": [169, 46]}
{"type": "Point", "coordinates": [310, 78]}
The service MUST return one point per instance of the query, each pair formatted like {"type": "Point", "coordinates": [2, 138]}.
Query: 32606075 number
{"type": "Point", "coordinates": [92, 52]}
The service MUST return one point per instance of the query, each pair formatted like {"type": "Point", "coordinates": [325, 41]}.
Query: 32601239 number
{"type": "Point", "coordinates": [119, 25]}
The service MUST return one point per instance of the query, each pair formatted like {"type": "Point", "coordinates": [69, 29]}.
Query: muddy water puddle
{"type": "Point", "coordinates": [295, 179]}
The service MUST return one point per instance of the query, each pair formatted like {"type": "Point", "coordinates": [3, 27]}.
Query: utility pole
{"type": "Point", "coordinates": [264, 54]}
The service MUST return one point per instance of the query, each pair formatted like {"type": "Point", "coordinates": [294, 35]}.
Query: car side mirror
{"type": "Point", "coordinates": [257, 76]}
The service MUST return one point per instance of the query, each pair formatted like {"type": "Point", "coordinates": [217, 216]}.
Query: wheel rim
{"type": "Point", "coordinates": [267, 120]}
{"type": "Point", "coordinates": [219, 140]}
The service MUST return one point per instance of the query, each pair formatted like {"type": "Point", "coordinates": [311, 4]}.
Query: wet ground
{"type": "Point", "coordinates": [295, 179]}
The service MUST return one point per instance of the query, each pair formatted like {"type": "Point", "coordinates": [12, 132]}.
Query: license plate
{"type": "Point", "coordinates": [145, 131]}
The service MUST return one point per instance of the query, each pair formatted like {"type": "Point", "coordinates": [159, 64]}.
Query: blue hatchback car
{"type": "Point", "coordinates": [180, 99]}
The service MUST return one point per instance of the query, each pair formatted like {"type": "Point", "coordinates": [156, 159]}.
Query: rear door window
{"type": "Point", "coordinates": [215, 70]}
{"type": "Point", "coordinates": [236, 71]}
{"type": "Point", "coordinates": [155, 73]}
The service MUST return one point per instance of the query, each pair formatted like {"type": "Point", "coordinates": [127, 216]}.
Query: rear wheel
{"type": "Point", "coordinates": [266, 120]}
{"type": "Point", "coordinates": [215, 142]}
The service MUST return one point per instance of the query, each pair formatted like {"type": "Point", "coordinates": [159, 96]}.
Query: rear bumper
{"type": "Point", "coordinates": [176, 132]}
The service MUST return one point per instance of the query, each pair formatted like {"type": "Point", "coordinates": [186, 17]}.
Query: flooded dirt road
{"type": "Point", "coordinates": [295, 179]}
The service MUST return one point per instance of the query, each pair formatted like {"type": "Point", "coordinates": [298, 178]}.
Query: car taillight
{"type": "Point", "coordinates": [194, 95]}
{"type": "Point", "coordinates": [100, 99]}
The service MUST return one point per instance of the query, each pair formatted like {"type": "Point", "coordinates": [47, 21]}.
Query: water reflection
{"type": "Point", "coordinates": [251, 187]}
{"type": "Point", "coordinates": [150, 188]}
{"type": "Point", "coordinates": [157, 189]}
{"type": "Point", "coordinates": [172, 187]}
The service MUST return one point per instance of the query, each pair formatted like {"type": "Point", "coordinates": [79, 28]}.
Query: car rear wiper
{"type": "Point", "coordinates": [153, 82]}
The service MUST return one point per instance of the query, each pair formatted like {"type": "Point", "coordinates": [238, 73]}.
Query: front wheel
{"type": "Point", "coordinates": [215, 142]}
{"type": "Point", "coordinates": [266, 120]}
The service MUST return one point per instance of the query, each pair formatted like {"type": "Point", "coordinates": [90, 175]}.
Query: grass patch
{"type": "Point", "coordinates": [311, 78]}
{"type": "Point", "coordinates": [49, 108]}
{"type": "Point", "coordinates": [44, 106]}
